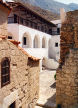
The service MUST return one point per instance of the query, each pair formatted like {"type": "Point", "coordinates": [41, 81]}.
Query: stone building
{"type": "Point", "coordinates": [19, 71]}
{"type": "Point", "coordinates": [35, 34]}
{"type": "Point", "coordinates": [67, 73]}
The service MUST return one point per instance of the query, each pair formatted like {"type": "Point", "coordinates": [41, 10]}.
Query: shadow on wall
{"type": "Point", "coordinates": [53, 85]}
{"type": "Point", "coordinates": [51, 102]}
{"type": "Point", "coordinates": [36, 42]}
{"type": "Point", "coordinates": [43, 42]}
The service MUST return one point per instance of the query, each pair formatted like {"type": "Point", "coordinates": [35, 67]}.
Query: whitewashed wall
{"type": "Point", "coordinates": [50, 51]}
{"type": "Point", "coordinates": [54, 52]}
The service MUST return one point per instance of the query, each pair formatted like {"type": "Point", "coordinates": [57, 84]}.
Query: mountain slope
{"type": "Point", "coordinates": [73, 6]}
{"type": "Point", "coordinates": [44, 13]}
{"type": "Point", "coordinates": [49, 9]}
{"type": "Point", "coordinates": [51, 5]}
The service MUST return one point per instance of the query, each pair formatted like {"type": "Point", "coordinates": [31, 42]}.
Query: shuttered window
{"type": "Point", "coordinates": [5, 72]}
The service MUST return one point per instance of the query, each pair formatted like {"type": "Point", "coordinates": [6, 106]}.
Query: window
{"type": "Point", "coordinates": [56, 44]}
{"type": "Point", "coordinates": [24, 41]}
{"type": "Point", "coordinates": [21, 20]}
{"type": "Point", "coordinates": [15, 18]}
{"type": "Point", "coordinates": [58, 30]}
{"type": "Point", "coordinates": [50, 31]}
{"type": "Point", "coordinates": [9, 37]}
{"type": "Point", "coordinates": [5, 72]}
{"type": "Point", "coordinates": [27, 23]}
{"type": "Point", "coordinates": [32, 24]}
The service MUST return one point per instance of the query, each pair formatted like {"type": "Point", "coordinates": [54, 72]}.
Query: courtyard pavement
{"type": "Point", "coordinates": [47, 90]}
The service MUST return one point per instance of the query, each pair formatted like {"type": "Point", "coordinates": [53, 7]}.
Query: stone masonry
{"type": "Point", "coordinates": [4, 11]}
{"type": "Point", "coordinates": [24, 77]}
{"type": "Point", "coordinates": [23, 89]}
{"type": "Point", "coordinates": [67, 73]}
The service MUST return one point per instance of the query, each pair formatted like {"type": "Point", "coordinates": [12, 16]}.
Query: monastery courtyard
{"type": "Point", "coordinates": [47, 89]}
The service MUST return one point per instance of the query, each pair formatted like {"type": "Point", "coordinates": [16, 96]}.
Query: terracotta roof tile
{"type": "Point", "coordinates": [14, 42]}
{"type": "Point", "coordinates": [30, 56]}
{"type": "Point", "coordinates": [33, 58]}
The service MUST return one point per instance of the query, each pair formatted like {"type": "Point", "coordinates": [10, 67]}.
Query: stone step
{"type": "Point", "coordinates": [38, 107]}
{"type": "Point", "coordinates": [46, 104]}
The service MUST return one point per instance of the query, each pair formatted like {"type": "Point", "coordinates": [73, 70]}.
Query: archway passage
{"type": "Point", "coordinates": [12, 105]}
{"type": "Point", "coordinates": [26, 41]}
{"type": "Point", "coordinates": [36, 42]}
{"type": "Point", "coordinates": [43, 43]}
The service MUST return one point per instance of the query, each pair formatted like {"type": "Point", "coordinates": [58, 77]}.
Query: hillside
{"type": "Point", "coordinates": [51, 5]}
{"type": "Point", "coordinates": [44, 13]}
{"type": "Point", "coordinates": [49, 9]}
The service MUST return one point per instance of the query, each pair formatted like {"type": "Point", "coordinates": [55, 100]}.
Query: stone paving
{"type": "Point", "coordinates": [47, 90]}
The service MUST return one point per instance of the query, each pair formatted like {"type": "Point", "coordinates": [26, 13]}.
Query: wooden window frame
{"type": "Point", "coordinates": [8, 74]}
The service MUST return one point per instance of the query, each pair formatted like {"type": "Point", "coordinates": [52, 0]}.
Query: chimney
{"type": "Point", "coordinates": [62, 14]}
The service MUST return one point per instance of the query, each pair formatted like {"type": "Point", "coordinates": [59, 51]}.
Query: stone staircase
{"type": "Point", "coordinates": [44, 104]}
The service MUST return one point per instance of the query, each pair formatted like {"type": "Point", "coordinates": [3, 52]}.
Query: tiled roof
{"type": "Point", "coordinates": [33, 58]}
{"type": "Point", "coordinates": [14, 42]}
{"type": "Point", "coordinates": [30, 56]}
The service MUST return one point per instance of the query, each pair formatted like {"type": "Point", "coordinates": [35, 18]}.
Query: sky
{"type": "Point", "coordinates": [68, 1]}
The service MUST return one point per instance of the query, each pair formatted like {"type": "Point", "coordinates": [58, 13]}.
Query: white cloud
{"type": "Point", "coordinates": [68, 1]}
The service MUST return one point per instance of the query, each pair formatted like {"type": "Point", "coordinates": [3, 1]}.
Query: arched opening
{"type": "Point", "coordinates": [36, 42]}
{"type": "Point", "coordinates": [49, 48]}
{"type": "Point", "coordinates": [43, 43]}
{"type": "Point", "coordinates": [26, 41]}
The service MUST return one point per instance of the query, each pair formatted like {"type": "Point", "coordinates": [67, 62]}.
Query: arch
{"type": "Point", "coordinates": [49, 48]}
{"type": "Point", "coordinates": [5, 71]}
{"type": "Point", "coordinates": [43, 42]}
{"type": "Point", "coordinates": [36, 42]}
{"type": "Point", "coordinates": [26, 40]}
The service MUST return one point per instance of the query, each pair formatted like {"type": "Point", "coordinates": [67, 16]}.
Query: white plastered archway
{"type": "Point", "coordinates": [44, 42]}
{"type": "Point", "coordinates": [49, 48]}
{"type": "Point", "coordinates": [36, 42]}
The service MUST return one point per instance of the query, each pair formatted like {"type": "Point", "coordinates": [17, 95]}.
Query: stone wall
{"type": "Point", "coordinates": [24, 78]}
{"type": "Point", "coordinates": [69, 32]}
{"type": "Point", "coordinates": [3, 20]}
{"type": "Point", "coordinates": [67, 81]}
{"type": "Point", "coordinates": [66, 76]}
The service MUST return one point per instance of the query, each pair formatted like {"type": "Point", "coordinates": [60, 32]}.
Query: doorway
{"type": "Point", "coordinates": [12, 105]}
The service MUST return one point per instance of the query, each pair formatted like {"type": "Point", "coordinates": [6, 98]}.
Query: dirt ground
{"type": "Point", "coordinates": [47, 89]}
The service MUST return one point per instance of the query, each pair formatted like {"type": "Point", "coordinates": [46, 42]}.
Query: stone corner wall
{"type": "Point", "coordinates": [66, 76]}
{"type": "Point", "coordinates": [3, 21]}
{"type": "Point", "coordinates": [24, 78]}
